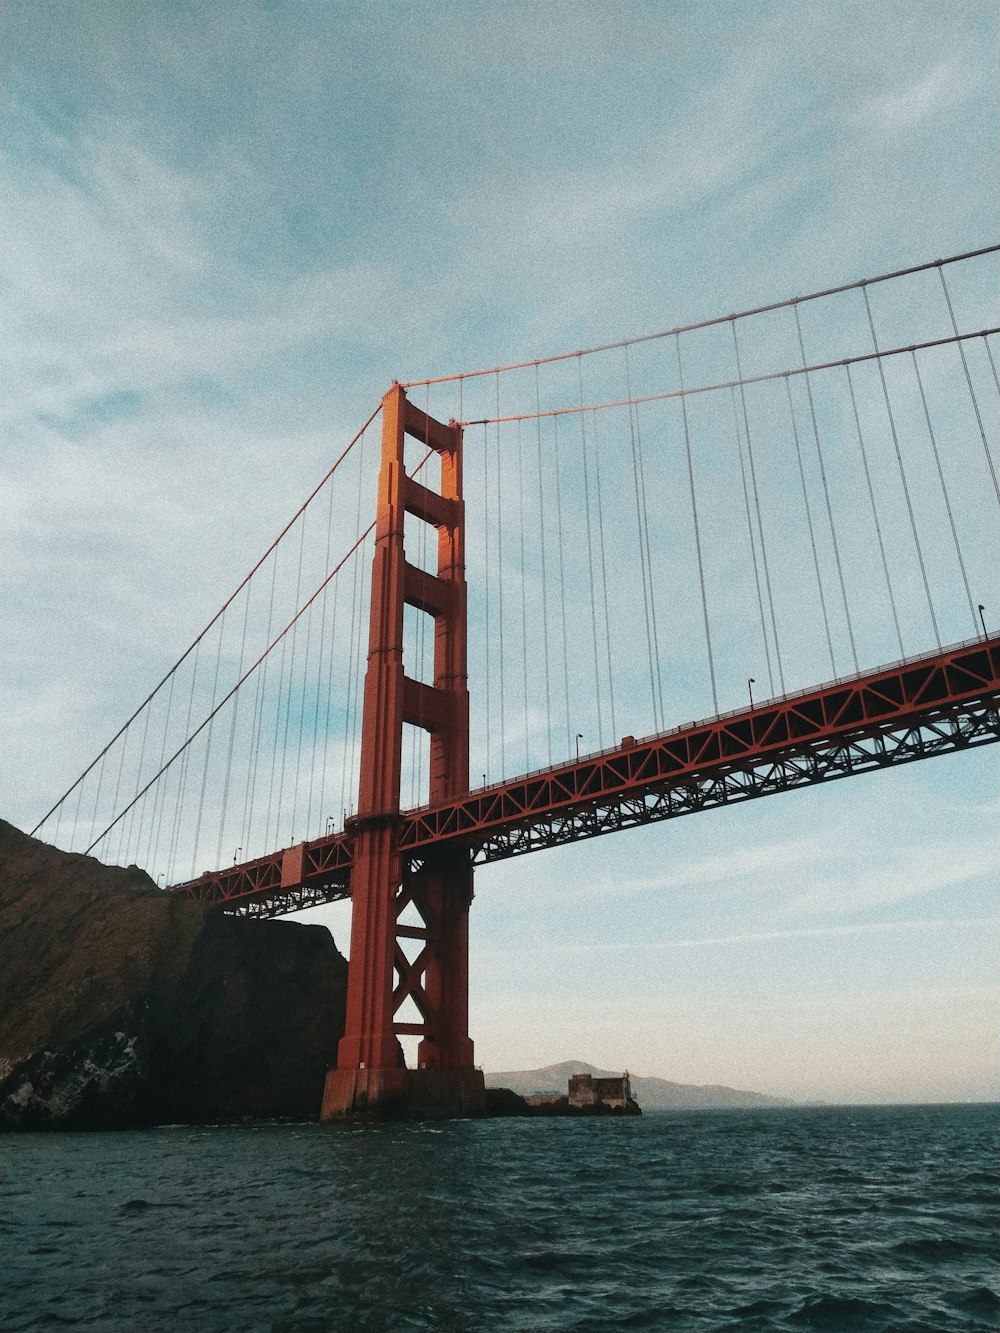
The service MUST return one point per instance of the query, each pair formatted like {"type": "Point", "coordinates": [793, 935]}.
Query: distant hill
{"type": "Point", "coordinates": [652, 1094]}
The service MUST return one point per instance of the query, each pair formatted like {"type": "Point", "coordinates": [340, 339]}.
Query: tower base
{"type": "Point", "coordinates": [437, 1094]}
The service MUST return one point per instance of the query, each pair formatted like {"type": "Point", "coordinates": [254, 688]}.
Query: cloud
{"type": "Point", "coordinates": [947, 84]}
{"type": "Point", "coordinates": [935, 926]}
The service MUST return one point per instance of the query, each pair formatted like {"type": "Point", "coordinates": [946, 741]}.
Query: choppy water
{"type": "Point", "coordinates": [834, 1219]}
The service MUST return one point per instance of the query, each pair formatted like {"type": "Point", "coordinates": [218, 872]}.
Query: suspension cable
{"type": "Point", "coordinates": [874, 507]}
{"type": "Point", "coordinates": [562, 582]}
{"type": "Point", "coordinates": [742, 382]}
{"type": "Point", "coordinates": [545, 596]}
{"type": "Point", "coordinates": [500, 582]}
{"type": "Point", "coordinates": [707, 323]}
{"type": "Point", "coordinates": [590, 564]}
{"type": "Point", "coordinates": [944, 492]}
{"type": "Point", "coordinates": [642, 546]}
{"type": "Point", "coordinates": [604, 579]}
{"type": "Point", "coordinates": [232, 730]}
{"type": "Point", "coordinates": [826, 497]}
{"type": "Point", "coordinates": [194, 643]}
{"type": "Point", "coordinates": [208, 751]}
{"type": "Point", "coordinates": [753, 542]}
{"type": "Point", "coordinates": [486, 564]}
{"type": "Point", "coordinates": [697, 533]}
{"type": "Point", "coordinates": [812, 530]}
{"type": "Point", "coordinates": [756, 500]}
{"type": "Point", "coordinates": [524, 597]}
{"type": "Point", "coordinates": [183, 749]}
{"type": "Point", "coordinates": [902, 473]}
{"type": "Point", "coordinates": [968, 380]}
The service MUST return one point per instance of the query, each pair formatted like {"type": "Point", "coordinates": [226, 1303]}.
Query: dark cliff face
{"type": "Point", "coordinates": [121, 1005]}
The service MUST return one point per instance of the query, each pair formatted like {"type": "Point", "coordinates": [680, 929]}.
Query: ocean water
{"type": "Point", "coordinates": [832, 1219]}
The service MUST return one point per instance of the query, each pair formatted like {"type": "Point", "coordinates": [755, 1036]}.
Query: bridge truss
{"type": "Point", "coordinates": [937, 704]}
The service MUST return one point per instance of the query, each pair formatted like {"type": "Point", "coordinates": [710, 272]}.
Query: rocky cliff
{"type": "Point", "coordinates": [121, 1005]}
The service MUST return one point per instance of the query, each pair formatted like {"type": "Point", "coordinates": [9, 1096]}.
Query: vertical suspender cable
{"type": "Point", "coordinates": [874, 506]}
{"type": "Point", "coordinates": [545, 595]}
{"type": "Point", "coordinates": [310, 827]}
{"type": "Point", "coordinates": [968, 379]}
{"type": "Point", "coordinates": [76, 813]}
{"type": "Point", "coordinates": [524, 597]}
{"type": "Point", "coordinates": [274, 748]}
{"type": "Point", "coordinates": [302, 722]}
{"type": "Point", "coordinates": [291, 687]}
{"type": "Point", "coordinates": [323, 819]}
{"type": "Point", "coordinates": [753, 540]}
{"type": "Point", "coordinates": [944, 491]}
{"type": "Point", "coordinates": [160, 794]}
{"type": "Point", "coordinates": [182, 781]}
{"type": "Point", "coordinates": [260, 695]}
{"type": "Point", "coordinates": [486, 566]}
{"type": "Point", "coordinates": [993, 364]}
{"type": "Point", "coordinates": [500, 582]}
{"type": "Point", "coordinates": [208, 749]}
{"type": "Point", "coordinates": [826, 494]}
{"type": "Point", "coordinates": [756, 501]}
{"type": "Point", "coordinates": [590, 558]}
{"type": "Point", "coordinates": [193, 735]}
{"type": "Point", "coordinates": [902, 470]}
{"type": "Point", "coordinates": [562, 583]}
{"type": "Point", "coordinates": [138, 783]}
{"type": "Point", "coordinates": [100, 782]}
{"type": "Point", "coordinates": [95, 817]}
{"type": "Point", "coordinates": [187, 652]}
{"type": "Point", "coordinates": [809, 524]}
{"type": "Point", "coordinates": [697, 531]}
{"type": "Point", "coordinates": [118, 783]}
{"type": "Point", "coordinates": [649, 565]}
{"type": "Point", "coordinates": [604, 581]}
{"type": "Point", "coordinates": [232, 733]}
{"type": "Point", "coordinates": [657, 720]}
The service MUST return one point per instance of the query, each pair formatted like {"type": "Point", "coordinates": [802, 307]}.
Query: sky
{"type": "Point", "coordinates": [228, 228]}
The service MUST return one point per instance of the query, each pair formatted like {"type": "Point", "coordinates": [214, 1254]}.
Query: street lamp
{"type": "Point", "coordinates": [329, 821]}
{"type": "Point", "coordinates": [236, 854]}
{"type": "Point", "coordinates": [751, 682]}
{"type": "Point", "coordinates": [579, 738]}
{"type": "Point", "coordinates": [982, 620]}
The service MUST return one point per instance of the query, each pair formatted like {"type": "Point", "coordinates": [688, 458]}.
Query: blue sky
{"type": "Point", "coordinates": [229, 227]}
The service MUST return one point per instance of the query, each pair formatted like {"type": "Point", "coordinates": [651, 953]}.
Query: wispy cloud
{"type": "Point", "coordinates": [903, 108]}
{"type": "Point", "coordinates": [935, 926]}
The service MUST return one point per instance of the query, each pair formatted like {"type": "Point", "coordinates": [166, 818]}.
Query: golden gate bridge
{"type": "Point", "coordinates": [607, 542]}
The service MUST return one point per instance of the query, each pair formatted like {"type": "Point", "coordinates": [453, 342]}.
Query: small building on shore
{"type": "Point", "coordinates": [586, 1090]}
{"type": "Point", "coordinates": [587, 1096]}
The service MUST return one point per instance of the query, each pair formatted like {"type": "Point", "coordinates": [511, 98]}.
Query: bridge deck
{"type": "Point", "coordinates": [914, 709]}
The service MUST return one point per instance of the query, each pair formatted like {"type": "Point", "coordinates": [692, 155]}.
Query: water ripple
{"type": "Point", "coordinates": [840, 1221]}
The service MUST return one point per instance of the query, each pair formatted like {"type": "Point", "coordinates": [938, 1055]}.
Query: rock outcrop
{"type": "Point", "coordinates": [122, 1006]}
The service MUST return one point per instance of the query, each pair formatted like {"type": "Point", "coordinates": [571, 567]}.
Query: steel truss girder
{"type": "Point", "coordinates": [822, 720]}
{"type": "Point", "coordinates": [937, 704]}
{"type": "Point", "coordinates": [282, 901]}
{"type": "Point", "coordinates": [943, 734]}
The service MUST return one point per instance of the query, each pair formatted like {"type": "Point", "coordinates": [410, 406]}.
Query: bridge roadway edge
{"type": "Point", "coordinates": [937, 703]}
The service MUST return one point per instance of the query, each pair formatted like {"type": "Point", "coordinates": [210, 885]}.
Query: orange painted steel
{"type": "Point", "coordinates": [938, 703]}
{"type": "Point", "coordinates": [370, 1075]}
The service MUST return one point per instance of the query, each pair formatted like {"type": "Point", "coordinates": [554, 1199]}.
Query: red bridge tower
{"type": "Point", "coordinates": [370, 1075]}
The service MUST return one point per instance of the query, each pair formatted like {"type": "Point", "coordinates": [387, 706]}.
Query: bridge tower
{"type": "Point", "coordinates": [370, 1076]}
